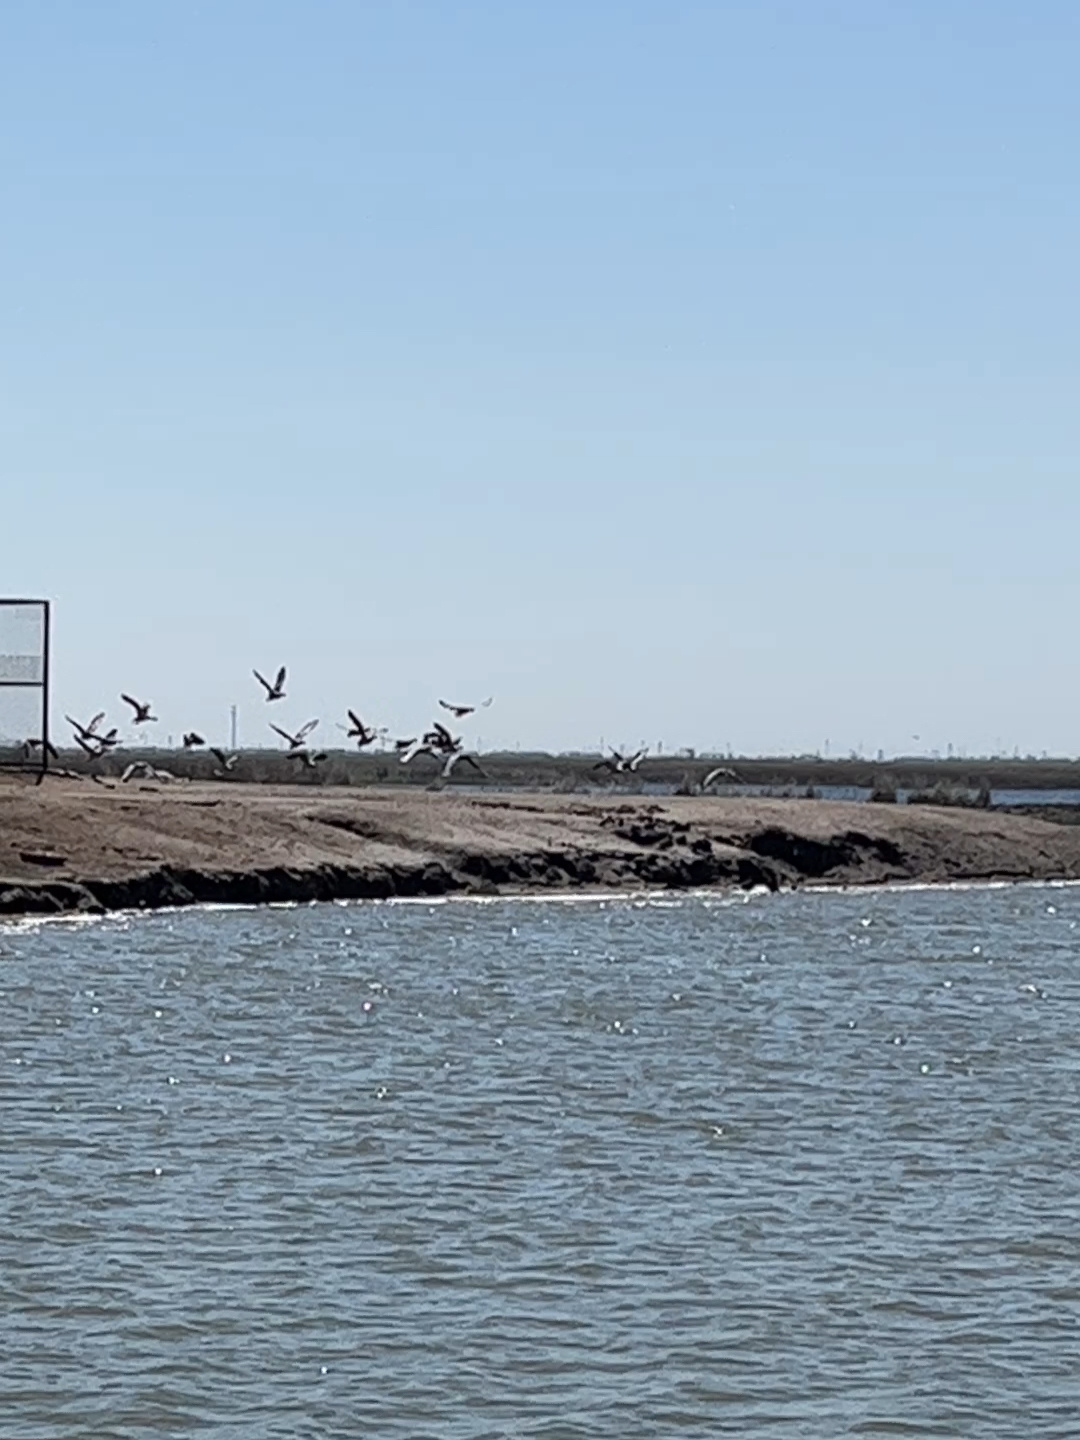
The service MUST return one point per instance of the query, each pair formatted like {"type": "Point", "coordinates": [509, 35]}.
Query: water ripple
{"type": "Point", "coordinates": [797, 1165]}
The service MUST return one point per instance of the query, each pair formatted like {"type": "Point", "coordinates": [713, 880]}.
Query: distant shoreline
{"type": "Point", "coordinates": [69, 847]}
{"type": "Point", "coordinates": [577, 773]}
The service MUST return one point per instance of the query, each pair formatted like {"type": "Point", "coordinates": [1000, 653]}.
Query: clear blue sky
{"type": "Point", "coordinates": [701, 372]}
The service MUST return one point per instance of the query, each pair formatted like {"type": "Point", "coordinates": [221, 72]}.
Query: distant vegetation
{"type": "Point", "coordinates": [944, 794]}
{"type": "Point", "coordinates": [944, 782]}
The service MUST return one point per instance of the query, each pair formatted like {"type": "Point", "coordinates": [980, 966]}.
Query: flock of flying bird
{"type": "Point", "coordinates": [438, 742]}
{"type": "Point", "coordinates": [447, 749]}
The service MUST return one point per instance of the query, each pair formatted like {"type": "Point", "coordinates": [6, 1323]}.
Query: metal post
{"type": "Point", "coordinates": [45, 693]}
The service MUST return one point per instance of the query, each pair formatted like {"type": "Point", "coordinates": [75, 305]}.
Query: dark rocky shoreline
{"type": "Point", "coordinates": [781, 860]}
{"type": "Point", "coordinates": [65, 849]}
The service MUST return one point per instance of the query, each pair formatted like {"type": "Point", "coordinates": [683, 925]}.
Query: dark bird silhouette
{"type": "Point", "coordinates": [88, 739]}
{"type": "Point", "coordinates": [618, 764]}
{"type": "Point", "coordinates": [94, 747]}
{"type": "Point", "coordinates": [89, 731]}
{"type": "Point", "coordinates": [227, 762]}
{"type": "Point", "coordinates": [193, 738]}
{"type": "Point", "coordinates": [276, 691]}
{"type": "Point", "coordinates": [361, 733]}
{"type": "Point", "coordinates": [142, 712]}
{"type": "Point", "coordinates": [448, 749]}
{"type": "Point", "coordinates": [436, 742]}
{"type": "Point", "coordinates": [439, 737]}
{"type": "Point", "coordinates": [295, 741]}
{"type": "Point", "coordinates": [460, 711]}
{"type": "Point", "coordinates": [308, 759]}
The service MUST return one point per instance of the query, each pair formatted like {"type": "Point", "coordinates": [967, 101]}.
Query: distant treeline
{"type": "Point", "coordinates": [569, 773]}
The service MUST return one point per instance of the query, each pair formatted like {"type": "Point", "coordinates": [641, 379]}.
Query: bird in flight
{"type": "Point", "coordinates": [440, 738]}
{"type": "Point", "coordinates": [722, 772]}
{"type": "Point", "coordinates": [97, 745]}
{"type": "Point", "coordinates": [88, 739]}
{"type": "Point", "coordinates": [142, 712]}
{"type": "Point", "coordinates": [460, 711]}
{"type": "Point", "coordinates": [89, 731]}
{"type": "Point", "coordinates": [296, 742]}
{"type": "Point", "coordinates": [619, 764]}
{"type": "Point", "coordinates": [440, 745]}
{"type": "Point", "coordinates": [448, 756]}
{"type": "Point", "coordinates": [227, 762]}
{"type": "Point", "coordinates": [32, 746]}
{"type": "Point", "coordinates": [361, 733]}
{"type": "Point", "coordinates": [306, 758]}
{"type": "Point", "coordinates": [276, 691]}
{"type": "Point", "coordinates": [193, 738]}
{"type": "Point", "coordinates": [436, 742]}
{"type": "Point", "coordinates": [408, 752]}
{"type": "Point", "coordinates": [143, 770]}
{"type": "Point", "coordinates": [461, 755]}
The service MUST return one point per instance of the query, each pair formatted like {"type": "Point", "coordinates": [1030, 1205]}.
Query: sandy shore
{"type": "Point", "coordinates": [70, 846]}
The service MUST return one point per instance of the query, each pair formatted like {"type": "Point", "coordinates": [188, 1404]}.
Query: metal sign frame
{"type": "Point", "coordinates": [41, 765]}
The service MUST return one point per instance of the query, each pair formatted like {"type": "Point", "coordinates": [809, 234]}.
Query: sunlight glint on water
{"type": "Point", "coordinates": [803, 1165]}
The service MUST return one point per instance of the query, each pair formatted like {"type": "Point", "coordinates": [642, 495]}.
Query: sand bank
{"type": "Point", "coordinates": [70, 846]}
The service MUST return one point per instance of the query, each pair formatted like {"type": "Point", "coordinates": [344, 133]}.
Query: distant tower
{"type": "Point", "coordinates": [232, 727]}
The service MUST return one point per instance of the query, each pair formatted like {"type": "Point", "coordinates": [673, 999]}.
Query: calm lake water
{"type": "Point", "coordinates": [798, 1165]}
